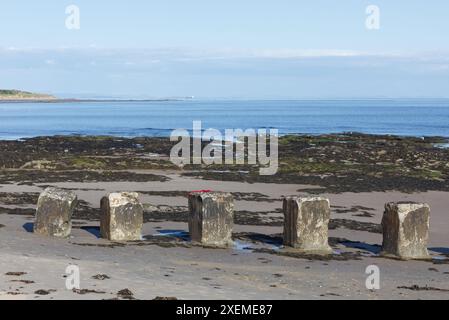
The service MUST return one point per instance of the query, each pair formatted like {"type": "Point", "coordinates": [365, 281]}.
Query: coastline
{"type": "Point", "coordinates": [57, 100]}
{"type": "Point", "coordinates": [68, 100]}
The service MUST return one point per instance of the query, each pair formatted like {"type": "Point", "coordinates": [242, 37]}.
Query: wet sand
{"type": "Point", "coordinates": [166, 264]}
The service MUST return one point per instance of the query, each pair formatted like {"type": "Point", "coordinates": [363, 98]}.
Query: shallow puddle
{"type": "Point", "coordinates": [181, 234]}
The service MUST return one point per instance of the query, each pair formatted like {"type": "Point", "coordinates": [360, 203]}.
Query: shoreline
{"type": "Point", "coordinates": [233, 99]}
{"type": "Point", "coordinates": [439, 141]}
{"type": "Point", "coordinates": [70, 100]}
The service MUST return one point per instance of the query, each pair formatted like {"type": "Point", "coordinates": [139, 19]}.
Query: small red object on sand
{"type": "Point", "coordinates": [200, 191]}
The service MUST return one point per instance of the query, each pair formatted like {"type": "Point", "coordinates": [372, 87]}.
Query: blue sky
{"type": "Point", "coordinates": [226, 49]}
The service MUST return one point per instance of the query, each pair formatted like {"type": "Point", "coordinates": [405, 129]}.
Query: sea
{"type": "Point", "coordinates": [405, 117]}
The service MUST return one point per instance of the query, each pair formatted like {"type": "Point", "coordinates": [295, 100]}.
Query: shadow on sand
{"type": "Point", "coordinates": [372, 248]}
{"type": "Point", "coordinates": [29, 227]}
{"type": "Point", "coordinates": [93, 230]}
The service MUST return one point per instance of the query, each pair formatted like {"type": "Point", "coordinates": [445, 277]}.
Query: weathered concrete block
{"type": "Point", "coordinates": [54, 213]}
{"type": "Point", "coordinates": [306, 222]}
{"type": "Point", "coordinates": [121, 217]}
{"type": "Point", "coordinates": [406, 230]}
{"type": "Point", "coordinates": [211, 218]}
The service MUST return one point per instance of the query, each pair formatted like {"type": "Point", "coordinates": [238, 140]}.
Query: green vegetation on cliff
{"type": "Point", "coordinates": [23, 95]}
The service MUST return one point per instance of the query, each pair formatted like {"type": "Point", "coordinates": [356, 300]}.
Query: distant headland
{"type": "Point", "coordinates": [17, 95]}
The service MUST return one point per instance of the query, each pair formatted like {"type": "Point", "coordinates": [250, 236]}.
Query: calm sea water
{"type": "Point", "coordinates": [129, 119]}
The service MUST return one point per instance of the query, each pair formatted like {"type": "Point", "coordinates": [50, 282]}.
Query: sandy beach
{"type": "Point", "coordinates": [166, 264]}
{"type": "Point", "coordinates": [228, 158]}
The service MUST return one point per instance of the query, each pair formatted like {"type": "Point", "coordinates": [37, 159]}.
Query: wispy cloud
{"type": "Point", "coordinates": [226, 71]}
{"type": "Point", "coordinates": [220, 53]}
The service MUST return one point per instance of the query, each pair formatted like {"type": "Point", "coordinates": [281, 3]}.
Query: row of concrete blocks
{"type": "Point", "coordinates": [306, 220]}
